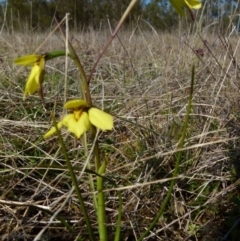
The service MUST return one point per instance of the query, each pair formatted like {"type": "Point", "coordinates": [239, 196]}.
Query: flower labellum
{"type": "Point", "coordinates": [35, 79]}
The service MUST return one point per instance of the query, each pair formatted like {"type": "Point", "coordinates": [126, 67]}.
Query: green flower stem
{"type": "Point", "coordinates": [75, 184]}
{"type": "Point", "coordinates": [82, 78]}
{"type": "Point", "coordinates": [54, 54]}
{"type": "Point", "coordinates": [119, 219]}
{"type": "Point", "coordinates": [96, 149]}
{"type": "Point", "coordinates": [90, 177]}
{"type": "Point", "coordinates": [86, 96]}
{"type": "Point", "coordinates": [101, 213]}
{"type": "Point", "coordinates": [177, 158]}
{"type": "Point", "coordinates": [101, 170]}
{"type": "Point", "coordinates": [99, 202]}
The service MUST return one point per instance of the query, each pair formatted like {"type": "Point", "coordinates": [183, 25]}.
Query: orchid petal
{"type": "Point", "coordinates": [53, 130]}
{"type": "Point", "coordinates": [32, 81]}
{"type": "Point", "coordinates": [66, 119]}
{"type": "Point", "coordinates": [195, 4]}
{"type": "Point", "coordinates": [100, 119]}
{"type": "Point", "coordinates": [74, 104]}
{"type": "Point", "coordinates": [27, 60]}
{"type": "Point", "coordinates": [80, 126]}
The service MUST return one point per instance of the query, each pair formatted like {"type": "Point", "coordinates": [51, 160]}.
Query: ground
{"type": "Point", "coordinates": [144, 81]}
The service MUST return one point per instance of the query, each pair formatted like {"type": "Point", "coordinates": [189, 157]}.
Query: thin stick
{"type": "Point", "coordinates": [129, 8]}
{"type": "Point", "coordinates": [66, 58]}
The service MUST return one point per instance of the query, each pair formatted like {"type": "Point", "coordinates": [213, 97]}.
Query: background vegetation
{"type": "Point", "coordinates": [37, 15]}
{"type": "Point", "coordinates": [143, 80]}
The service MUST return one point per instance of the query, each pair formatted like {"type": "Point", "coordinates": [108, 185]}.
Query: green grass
{"type": "Point", "coordinates": [145, 85]}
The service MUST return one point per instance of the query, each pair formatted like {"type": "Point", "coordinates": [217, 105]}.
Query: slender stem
{"type": "Point", "coordinates": [96, 149]}
{"type": "Point", "coordinates": [100, 170]}
{"type": "Point", "coordinates": [82, 78]}
{"type": "Point", "coordinates": [75, 183]}
{"type": "Point", "coordinates": [86, 96]}
{"type": "Point", "coordinates": [90, 177]}
{"type": "Point", "coordinates": [101, 213]}
{"type": "Point", "coordinates": [66, 59]}
{"type": "Point", "coordinates": [119, 219]}
{"type": "Point", "coordinates": [127, 11]}
{"type": "Point", "coordinates": [177, 158]}
{"type": "Point", "coordinates": [99, 202]}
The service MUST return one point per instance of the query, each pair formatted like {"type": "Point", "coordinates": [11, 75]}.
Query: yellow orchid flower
{"type": "Point", "coordinates": [180, 4]}
{"type": "Point", "coordinates": [81, 117]}
{"type": "Point", "coordinates": [35, 78]}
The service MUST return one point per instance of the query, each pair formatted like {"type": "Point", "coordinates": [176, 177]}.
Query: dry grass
{"type": "Point", "coordinates": [144, 82]}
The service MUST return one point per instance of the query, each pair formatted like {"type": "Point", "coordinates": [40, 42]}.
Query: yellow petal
{"type": "Point", "coordinates": [195, 4]}
{"type": "Point", "coordinates": [53, 130]}
{"type": "Point", "coordinates": [100, 119]}
{"type": "Point", "coordinates": [41, 70]}
{"type": "Point", "coordinates": [28, 60]}
{"type": "Point", "coordinates": [80, 126]}
{"type": "Point", "coordinates": [67, 118]}
{"type": "Point", "coordinates": [42, 63]}
{"type": "Point", "coordinates": [178, 5]}
{"type": "Point", "coordinates": [32, 81]}
{"type": "Point", "coordinates": [74, 104]}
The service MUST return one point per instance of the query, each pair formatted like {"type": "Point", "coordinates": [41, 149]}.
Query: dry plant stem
{"type": "Point", "coordinates": [82, 78]}
{"type": "Point", "coordinates": [25, 204]}
{"type": "Point", "coordinates": [66, 59]}
{"type": "Point", "coordinates": [177, 158]}
{"type": "Point", "coordinates": [228, 47]}
{"type": "Point", "coordinates": [127, 11]}
{"type": "Point", "coordinates": [75, 183]}
{"type": "Point", "coordinates": [209, 50]}
{"type": "Point", "coordinates": [46, 39]}
{"type": "Point", "coordinates": [43, 209]}
{"type": "Point", "coordinates": [199, 58]}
